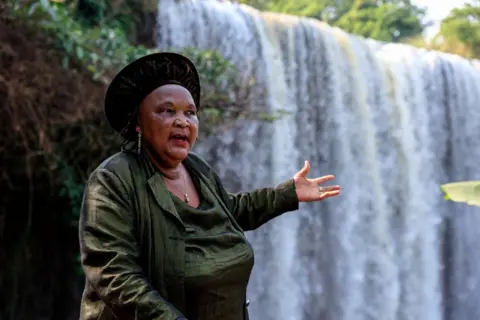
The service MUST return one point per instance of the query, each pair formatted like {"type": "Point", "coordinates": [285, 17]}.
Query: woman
{"type": "Point", "coordinates": [160, 237]}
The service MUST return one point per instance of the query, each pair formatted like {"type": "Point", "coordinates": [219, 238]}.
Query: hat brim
{"type": "Point", "coordinates": [139, 78]}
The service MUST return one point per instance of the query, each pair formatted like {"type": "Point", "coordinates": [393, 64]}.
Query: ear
{"type": "Point", "coordinates": [137, 128]}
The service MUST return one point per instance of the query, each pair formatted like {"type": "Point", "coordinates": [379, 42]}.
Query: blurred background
{"type": "Point", "coordinates": [383, 94]}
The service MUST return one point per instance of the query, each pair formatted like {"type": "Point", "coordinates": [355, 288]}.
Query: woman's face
{"type": "Point", "coordinates": [168, 122]}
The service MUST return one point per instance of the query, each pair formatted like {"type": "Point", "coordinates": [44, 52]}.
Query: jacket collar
{"type": "Point", "coordinates": [158, 188]}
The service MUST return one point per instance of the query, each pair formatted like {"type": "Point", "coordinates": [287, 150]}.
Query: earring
{"type": "Point", "coordinates": [139, 142]}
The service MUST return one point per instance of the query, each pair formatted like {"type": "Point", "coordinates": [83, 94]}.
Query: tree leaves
{"type": "Point", "coordinates": [463, 24]}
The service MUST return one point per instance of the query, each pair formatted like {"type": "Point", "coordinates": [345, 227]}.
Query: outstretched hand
{"type": "Point", "coordinates": [309, 190]}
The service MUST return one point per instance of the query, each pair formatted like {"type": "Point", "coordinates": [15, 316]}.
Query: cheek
{"type": "Point", "coordinates": [157, 131]}
{"type": "Point", "coordinates": [161, 124]}
{"type": "Point", "coordinates": [194, 127]}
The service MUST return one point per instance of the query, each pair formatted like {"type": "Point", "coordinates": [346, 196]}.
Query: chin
{"type": "Point", "coordinates": [179, 153]}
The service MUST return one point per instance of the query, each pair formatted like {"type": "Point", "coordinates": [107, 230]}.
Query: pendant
{"type": "Point", "coordinates": [187, 199]}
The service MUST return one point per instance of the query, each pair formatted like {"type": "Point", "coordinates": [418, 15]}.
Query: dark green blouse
{"type": "Point", "coordinates": [134, 243]}
{"type": "Point", "coordinates": [218, 260]}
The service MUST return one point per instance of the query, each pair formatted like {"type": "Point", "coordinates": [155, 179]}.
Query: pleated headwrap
{"type": "Point", "coordinates": [138, 79]}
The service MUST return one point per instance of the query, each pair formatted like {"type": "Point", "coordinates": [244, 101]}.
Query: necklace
{"type": "Point", "coordinates": [185, 195]}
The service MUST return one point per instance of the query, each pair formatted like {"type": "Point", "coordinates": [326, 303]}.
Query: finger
{"type": "Point", "coordinates": [323, 179]}
{"type": "Point", "coordinates": [329, 194]}
{"type": "Point", "coordinates": [329, 188]}
{"type": "Point", "coordinates": [305, 170]}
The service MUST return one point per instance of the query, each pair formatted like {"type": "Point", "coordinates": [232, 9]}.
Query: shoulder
{"type": "Point", "coordinates": [121, 161]}
{"type": "Point", "coordinates": [110, 188]}
{"type": "Point", "coordinates": [119, 166]}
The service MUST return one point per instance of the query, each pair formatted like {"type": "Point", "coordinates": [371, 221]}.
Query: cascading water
{"type": "Point", "coordinates": [392, 123]}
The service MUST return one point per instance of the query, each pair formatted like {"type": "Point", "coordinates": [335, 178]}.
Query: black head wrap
{"type": "Point", "coordinates": [138, 79]}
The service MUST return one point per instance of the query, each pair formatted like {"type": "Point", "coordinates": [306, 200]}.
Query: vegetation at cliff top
{"type": "Point", "coordinates": [390, 21]}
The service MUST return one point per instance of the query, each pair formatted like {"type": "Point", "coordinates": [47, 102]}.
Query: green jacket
{"type": "Point", "coordinates": [132, 239]}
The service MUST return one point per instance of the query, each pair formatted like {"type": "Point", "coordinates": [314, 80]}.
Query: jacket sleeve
{"type": "Point", "coordinates": [110, 253]}
{"type": "Point", "coordinates": [253, 209]}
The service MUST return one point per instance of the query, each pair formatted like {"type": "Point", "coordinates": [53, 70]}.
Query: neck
{"type": "Point", "coordinates": [171, 170]}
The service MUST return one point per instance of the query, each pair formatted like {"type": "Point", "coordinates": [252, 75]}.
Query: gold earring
{"type": "Point", "coordinates": [139, 142]}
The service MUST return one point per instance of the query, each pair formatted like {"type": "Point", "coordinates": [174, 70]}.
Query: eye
{"type": "Point", "coordinates": [170, 110]}
{"type": "Point", "coordinates": [191, 113]}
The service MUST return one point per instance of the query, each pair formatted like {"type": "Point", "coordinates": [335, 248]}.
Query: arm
{"type": "Point", "coordinates": [253, 209]}
{"type": "Point", "coordinates": [109, 252]}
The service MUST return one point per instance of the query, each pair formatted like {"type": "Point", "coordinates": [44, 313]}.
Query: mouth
{"type": "Point", "coordinates": [179, 137]}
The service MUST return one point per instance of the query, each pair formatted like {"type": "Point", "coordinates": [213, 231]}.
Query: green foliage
{"type": "Point", "coordinates": [304, 8]}
{"type": "Point", "coordinates": [463, 24]}
{"type": "Point", "coordinates": [459, 33]}
{"type": "Point", "coordinates": [72, 189]}
{"type": "Point", "coordinates": [325, 10]}
{"type": "Point", "coordinates": [101, 50]}
{"type": "Point", "coordinates": [388, 20]}
{"type": "Point", "coordinates": [464, 192]}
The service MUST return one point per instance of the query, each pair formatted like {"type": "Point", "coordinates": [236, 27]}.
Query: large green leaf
{"type": "Point", "coordinates": [463, 191]}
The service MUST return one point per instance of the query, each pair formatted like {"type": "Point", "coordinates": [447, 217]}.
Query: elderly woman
{"type": "Point", "coordinates": [160, 237]}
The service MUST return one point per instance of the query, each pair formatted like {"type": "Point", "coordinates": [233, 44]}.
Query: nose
{"type": "Point", "coordinates": [180, 121]}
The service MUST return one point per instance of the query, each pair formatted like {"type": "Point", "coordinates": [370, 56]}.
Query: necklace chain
{"type": "Point", "coordinates": [185, 194]}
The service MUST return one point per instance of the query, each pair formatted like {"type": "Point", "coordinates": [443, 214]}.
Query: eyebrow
{"type": "Point", "coordinates": [164, 104]}
{"type": "Point", "coordinates": [171, 104]}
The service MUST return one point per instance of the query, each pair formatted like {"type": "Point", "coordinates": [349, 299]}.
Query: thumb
{"type": "Point", "coordinates": [304, 171]}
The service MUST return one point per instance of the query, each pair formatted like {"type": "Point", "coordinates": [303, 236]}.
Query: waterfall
{"type": "Point", "coordinates": [391, 122]}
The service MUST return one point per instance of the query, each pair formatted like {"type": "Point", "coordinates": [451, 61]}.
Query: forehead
{"type": "Point", "coordinates": [172, 93]}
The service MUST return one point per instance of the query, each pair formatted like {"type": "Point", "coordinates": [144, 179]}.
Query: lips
{"type": "Point", "coordinates": [181, 137]}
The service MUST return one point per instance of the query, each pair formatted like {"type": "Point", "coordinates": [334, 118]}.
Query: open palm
{"type": "Point", "coordinates": [309, 190]}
